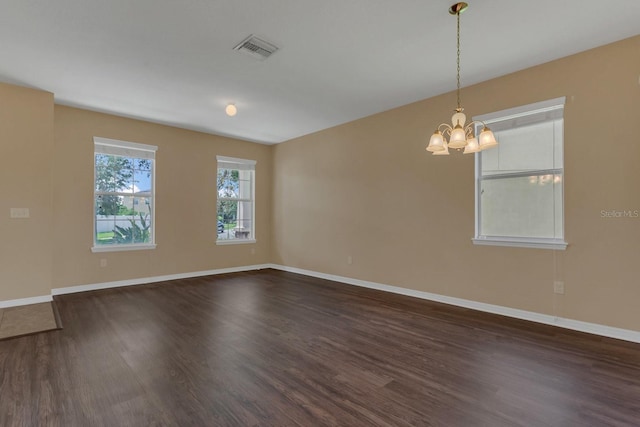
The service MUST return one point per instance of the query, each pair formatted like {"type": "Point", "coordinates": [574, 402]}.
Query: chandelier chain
{"type": "Point", "coordinates": [458, 57]}
{"type": "Point", "coordinates": [460, 135]}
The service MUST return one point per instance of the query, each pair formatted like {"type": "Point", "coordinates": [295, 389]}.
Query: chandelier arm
{"type": "Point", "coordinates": [447, 129]}
{"type": "Point", "coordinates": [468, 130]}
{"type": "Point", "coordinates": [474, 122]}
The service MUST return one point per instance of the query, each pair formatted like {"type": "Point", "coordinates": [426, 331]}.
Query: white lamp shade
{"type": "Point", "coordinates": [472, 146]}
{"type": "Point", "coordinates": [436, 143]}
{"type": "Point", "coordinates": [443, 152]}
{"type": "Point", "coordinates": [487, 140]}
{"type": "Point", "coordinates": [458, 138]}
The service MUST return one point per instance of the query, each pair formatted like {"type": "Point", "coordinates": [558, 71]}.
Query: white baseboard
{"type": "Point", "coordinates": [25, 301]}
{"type": "Point", "coordinates": [576, 325]}
{"type": "Point", "coordinates": [145, 280]}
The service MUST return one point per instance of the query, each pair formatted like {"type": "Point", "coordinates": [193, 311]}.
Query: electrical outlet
{"type": "Point", "coordinates": [103, 262]}
{"type": "Point", "coordinates": [349, 260]}
{"type": "Point", "coordinates": [558, 287]}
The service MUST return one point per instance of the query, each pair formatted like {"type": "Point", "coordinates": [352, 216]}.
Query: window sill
{"type": "Point", "coordinates": [118, 248]}
{"type": "Point", "coordinates": [235, 241]}
{"type": "Point", "coordinates": [559, 245]}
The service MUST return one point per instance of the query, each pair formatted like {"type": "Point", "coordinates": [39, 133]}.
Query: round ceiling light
{"type": "Point", "coordinates": [231, 110]}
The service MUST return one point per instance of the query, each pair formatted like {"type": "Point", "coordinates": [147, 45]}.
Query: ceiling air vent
{"type": "Point", "coordinates": [256, 47]}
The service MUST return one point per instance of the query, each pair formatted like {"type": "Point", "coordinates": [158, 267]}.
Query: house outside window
{"type": "Point", "coordinates": [236, 200]}
{"type": "Point", "coordinates": [520, 183]}
{"type": "Point", "coordinates": [124, 194]}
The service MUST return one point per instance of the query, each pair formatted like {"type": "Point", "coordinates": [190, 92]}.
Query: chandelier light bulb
{"type": "Point", "coordinates": [231, 110]}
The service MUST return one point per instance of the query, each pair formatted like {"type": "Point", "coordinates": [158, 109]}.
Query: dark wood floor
{"type": "Point", "coordinates": [270, 348]}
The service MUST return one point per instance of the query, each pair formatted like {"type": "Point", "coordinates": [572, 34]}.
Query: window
{"type": "Point", "coordinates": [123, 195]}
{"type": "Point", "coordinates": [519, 184]}
{"type": "Point", "coordinates": [235, 207]}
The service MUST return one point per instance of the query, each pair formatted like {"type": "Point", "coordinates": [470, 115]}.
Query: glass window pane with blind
{"type": "Point", "coordinates": [519, 184]}
{"type": "Point", "coordinates": [123, 195]}
{"type": "Point", "coordinates": [236, 200]}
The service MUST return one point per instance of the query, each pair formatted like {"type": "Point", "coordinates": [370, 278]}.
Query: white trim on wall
{"type": "Point", "coordinates": [25, 301]}
{"type": "Point", "coordinates": [576, 325]}
{"type": "Point", "coordinates": [146, 280]}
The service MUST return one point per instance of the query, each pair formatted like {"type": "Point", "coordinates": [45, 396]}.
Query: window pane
{"type": "Point", "coordinates": [525, 148]}
{"type": "Point", "coordinates": [123, 232]}
{"type": "Point", "coordinates": [101, 159]}
{"type": "Point", "coordinates": [126, 206]}
{"type": "Point", "coordinates": [107, 204]}
{"type": "Point", "coordinates": [244, 184]}
{"type": "Point", "coordinates": [522, 207]}
{"type": "Point", "coordinates": [228, 211]}
{"type": "Point", "coordinates": [142, 164]}
{"type": "Point", "coordinates": [142, 182]}
{"type": "Point", "coordinates": [228, 183]}
{"type": "Point", "coordinates": [227, 234]}
{"type": "Point", "coordinates": [123, 219]}
{"type": "Point", "coordinates": [113, 173]}
{"type": "Point", "coordinates": [235, 216]}
{"type": "Point", "coordinates": [126, 177]}
{"type": "Point", "coordinates": [101, 173]}
{"type": "Point", "coordinates": [104, 230]}
{"type": "Point", "coordinates": [141, 229]}
{"type": "Point", "coordinates": [245, 214]}
{"type": "Point", "coordinates": [142, 205]}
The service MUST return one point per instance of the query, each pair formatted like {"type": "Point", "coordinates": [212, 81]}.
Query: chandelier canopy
{"type": "Point", "coordinates": [458, 135]}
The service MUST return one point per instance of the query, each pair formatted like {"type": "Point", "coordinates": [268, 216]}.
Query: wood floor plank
{"type": "Point", "coordinates": [270, 348]}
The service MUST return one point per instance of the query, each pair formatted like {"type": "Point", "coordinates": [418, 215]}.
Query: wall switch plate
{"type": "Point", "coordinates": [19, 213]}
{"type": "Point", "coordinates": [558, 287]}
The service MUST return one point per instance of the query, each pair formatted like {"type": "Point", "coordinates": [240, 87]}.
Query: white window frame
{"type": "Point", "coordinates": [538, 108]}
{"type": "Point", "coordinates": [241, 164]}
{"type": "Point", "coordinates": [125, 149]}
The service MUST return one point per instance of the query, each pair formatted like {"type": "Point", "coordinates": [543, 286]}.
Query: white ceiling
{"type": "Point", "coordinates": [172, 61]}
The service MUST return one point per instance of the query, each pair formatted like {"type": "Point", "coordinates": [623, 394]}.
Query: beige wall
{"type": "Point", "coordinates": [369, 190]}
{"type": "Point", "coordinates": [185, 201]}
{"type": "Point", "coordinates": [46, 165]}
{"type": "Point", "coordinates": [26, 145]}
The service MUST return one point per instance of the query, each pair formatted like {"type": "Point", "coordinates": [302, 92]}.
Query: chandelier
{"type": "Point", "coordinates": [457, 135]}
